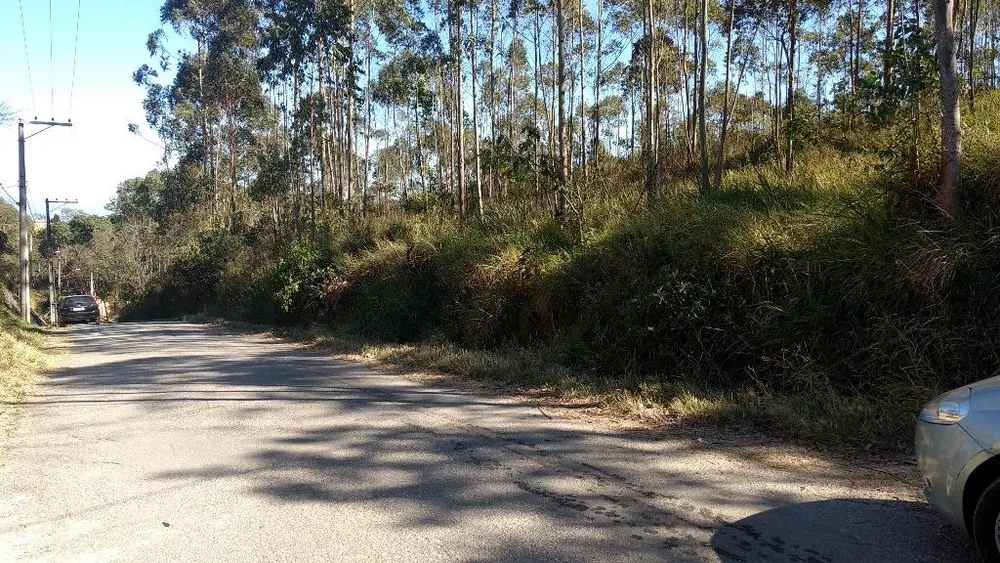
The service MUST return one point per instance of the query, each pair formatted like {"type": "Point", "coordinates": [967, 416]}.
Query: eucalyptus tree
{"type": "Point", "coordinates": [209, 112]}
{"type": "Point", "coordinates": [455, 22]}
{"type": "Point", "coordinates": [404, 81]}
{"type": "Point", "coordinates": [702, 82]}
{"type": "Point", "coordinates": [949, 189]}
{"type": "Point", "coordinates": [741, 48]}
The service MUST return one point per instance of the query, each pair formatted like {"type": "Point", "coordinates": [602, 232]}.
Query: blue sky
{"type": "Point", "coordinates": [87, 161]}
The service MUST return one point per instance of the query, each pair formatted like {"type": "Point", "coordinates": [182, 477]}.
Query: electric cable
{"type": "Point", "coordinates": [52, 72]}
{"type": "Point", "coordinates": [27, 60]}
{"type": "Point", "coordinates": [76, 43]}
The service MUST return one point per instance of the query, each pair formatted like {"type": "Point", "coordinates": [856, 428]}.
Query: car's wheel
{"type": "Point", "coordinates": [986, 524]}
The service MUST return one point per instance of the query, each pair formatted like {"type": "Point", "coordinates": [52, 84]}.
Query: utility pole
{"type": "Point", "coordinates": [24, 224]}
{"type": "Point", "coordinates": [50, 253]}
{"type": "Point", "coordinates": [22, 204]}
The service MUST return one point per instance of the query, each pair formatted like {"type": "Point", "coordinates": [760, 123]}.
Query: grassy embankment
{"type": "Point", "coordinates": [22, 359]}
{"type": "Point", "coordinates": [813, 305]}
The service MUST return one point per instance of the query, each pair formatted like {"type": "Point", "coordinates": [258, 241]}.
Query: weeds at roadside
{"type": "Point", "coordinates": [805, 304]}
{"type": "Point", "coordinates": [830, 421]}
{"type": "Point", "coordinates": [22, 360]}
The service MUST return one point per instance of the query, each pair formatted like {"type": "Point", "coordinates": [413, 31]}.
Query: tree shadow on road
{"type": "Point", "coordinates": [433, 459]}
{"type": "Point", "coordinates": [828, 531]}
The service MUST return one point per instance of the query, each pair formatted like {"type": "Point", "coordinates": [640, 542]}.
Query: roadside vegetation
{"type": "Point", "coordinates": [750, 213]}
{"type": "Point", "coordinates": [803, 304]}
{"type": "Point", "coordinates": [22, 360]}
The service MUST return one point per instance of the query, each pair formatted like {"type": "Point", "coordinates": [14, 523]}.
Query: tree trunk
{"type": "Point", "coordinates": [720, 155]}
{"type": "Point", "coordinates": [534, 104]}
{"type": "Point", "coordinates": [890, 29]}
{"type": "Point", "coordinates": [321, 75]}
{"type": "Point", "coordinates": [204, 126]}
{"type": "Point", "coordinates": [597, 90]}
{"type": "Point", "coordinates": [702, 81]}
{"type": "Point", "coordinates": [233, 172]}
{"type": "Point", "coordinates": [349, 100]}
{"type": "Point", "coordinates": [510, 101]}
{"type": "Point", "coordinates": [564, 148]}
{"type": "Point", "coordinates": [313, 142]}
{"type": "Point", "coordinates": [420, 153]}
{"type": "Point", "coordinates": [948, 199]}
{"type": "Point", "coordinates": [583, 104]}
{"type": "Point", "coordinates": [510, 88]}
{"type": "Point", "coordinates": [459, 112]}
{"type": "Point", "coordinates": [973, 21]}
{"type": "Point", "coordinates": [436, 127]}
{"type": "Point", "coordinates": [293, 156]}
{"type": "Point", "coordinates": [688, 110]}
{"type": "Point", "coordinates": [858, 24]}
{"type": "Point", "coordinates": [793, 33]}
{"type": "Point", "coordinates": [649, 131]}
{"type": "Point", "coordinates": [473, 38]}
{"type": "Point", "coordinates": [493, 95]}
{"type": "Point", "coordinates": [778, 111]}
{"type": "Point", "coordinates": [368, 120]}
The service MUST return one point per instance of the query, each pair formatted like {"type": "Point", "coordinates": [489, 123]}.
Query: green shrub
{"type": "Point", "coordinates": [812, 287]}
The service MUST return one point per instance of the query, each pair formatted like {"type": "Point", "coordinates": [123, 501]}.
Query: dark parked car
{"type": "Point", "coordinates": [78, 309]}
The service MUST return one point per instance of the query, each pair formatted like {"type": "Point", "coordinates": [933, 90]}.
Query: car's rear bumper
{"type": "Point", "coordinates": [79, 317]}
{"type": "Point", "coordinates": [943, 455]}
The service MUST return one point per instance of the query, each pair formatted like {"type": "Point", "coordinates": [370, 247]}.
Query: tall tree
{"type": "Point", "coordinates": [564, 142]}
{"type": "Point", "coordinates": [650, 150]}
{"type": "Point", "coordinates": [703, 184]}
{"type": "Point", "coordinates": [473, 41]}
{"type": "Point", "coordinates": [583, 89]}
{"type": "Point", "coordinates": [890, 41]}
{"type": "Point", "coordinates": [724, 125]}
{"type": "Point", "coordinates": [948, 198]}
{"type": "Point", "coordinates": [456, 52]}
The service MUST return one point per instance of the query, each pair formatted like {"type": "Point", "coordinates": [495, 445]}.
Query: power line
{"type": "Point", "coordinates": [134, 129]}
{"type": "Point", "coordinates": [27, 60]}
{"type": "Point", "coordinates": [76, 43]}
{"type": "Point", "coordinates": [4, 188]}
{"type": "Point", "coordinates": [31, 210]}
{"type": "Point", "coordinates": [52, 79]}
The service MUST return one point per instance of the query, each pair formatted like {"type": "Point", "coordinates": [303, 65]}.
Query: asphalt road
{"type": "Point", "coordinates": [176, 442]}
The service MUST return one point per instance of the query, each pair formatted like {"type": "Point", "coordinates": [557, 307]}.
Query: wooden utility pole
{"type": "Point", "coordinates": [25, 253]}
{"type": "Point", "coordinates": [50, 254]}
{"type": "Point", "coordinates": [24, 222]}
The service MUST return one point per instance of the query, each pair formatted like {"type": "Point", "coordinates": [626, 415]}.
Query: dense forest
{"type": "Point", "coordinates": [781, 212]}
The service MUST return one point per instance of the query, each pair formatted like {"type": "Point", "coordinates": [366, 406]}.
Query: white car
{"type": "Point", "coordinates": [957, 444]}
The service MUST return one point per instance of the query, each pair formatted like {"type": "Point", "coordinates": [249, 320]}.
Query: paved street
{"type": "Point", "coordinates": [177, 442]}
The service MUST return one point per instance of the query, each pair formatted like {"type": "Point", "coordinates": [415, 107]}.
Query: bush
{"type": "Point", "coordinates": [810, 287]}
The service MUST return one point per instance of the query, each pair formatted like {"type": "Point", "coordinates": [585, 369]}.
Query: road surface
{"type": "Point", "coordinates": [177, 442]}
